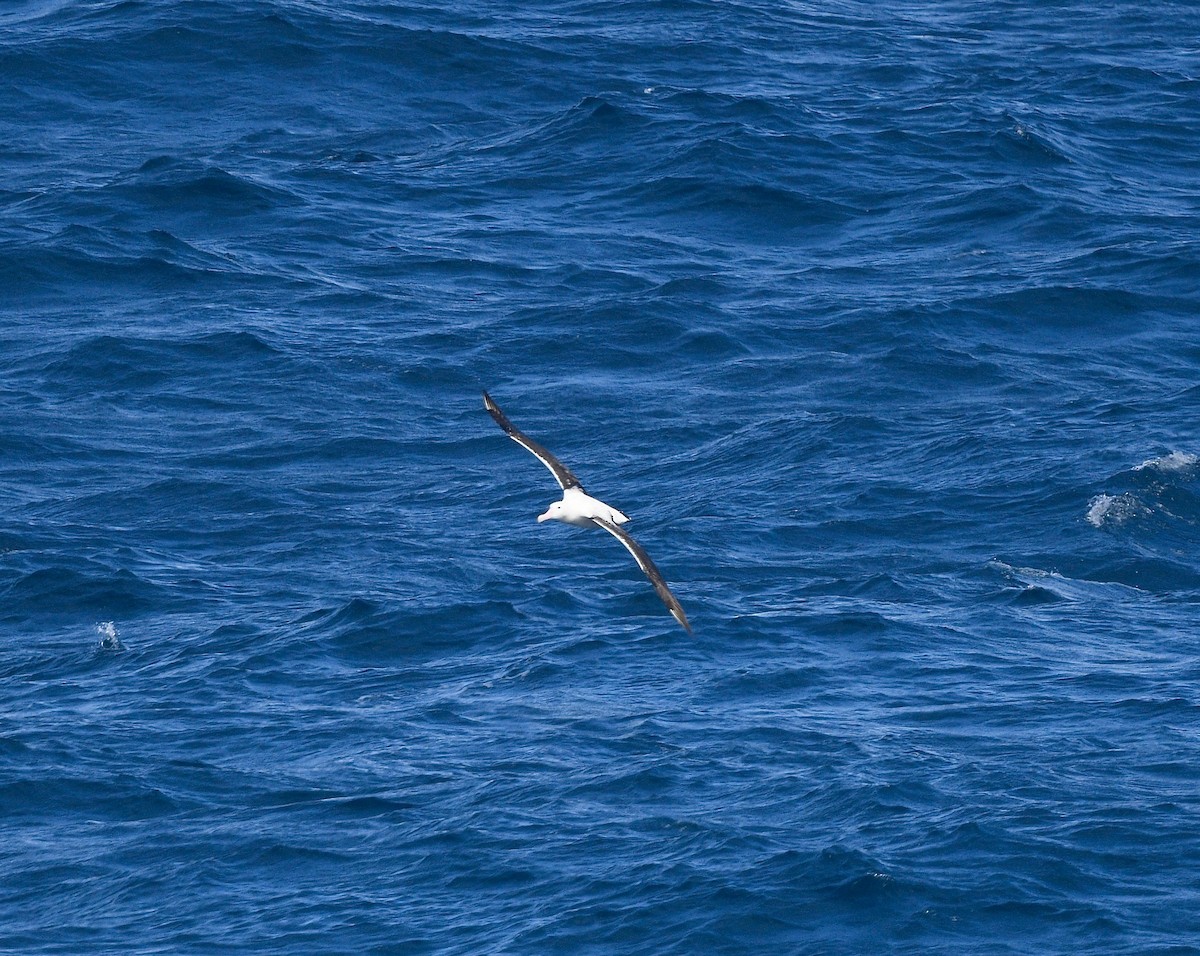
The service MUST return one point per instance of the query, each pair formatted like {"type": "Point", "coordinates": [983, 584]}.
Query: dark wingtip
{"type": "Point", "coordinates": [494, 410]}
{"type": "Point", "coordinates": [682, 619]}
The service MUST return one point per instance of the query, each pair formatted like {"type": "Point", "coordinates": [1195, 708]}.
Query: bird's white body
{"type": "Point", "coordinates": [579, 508]}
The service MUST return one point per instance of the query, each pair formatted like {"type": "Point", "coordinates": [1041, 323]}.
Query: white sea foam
{"type": "Point", "coordinates": [1069, 589]}
{"type": "Point", "coordinates": [1017, 572]}
{"type": "Point", "coordinates": [1114, 509]}
{"type": "Point", "coordinates": [1175, 462]}
{"type": "Point", "coordinates": [109, 639]}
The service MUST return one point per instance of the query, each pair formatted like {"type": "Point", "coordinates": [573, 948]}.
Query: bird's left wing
{"type": "Point", "coordinates": [648, 568]}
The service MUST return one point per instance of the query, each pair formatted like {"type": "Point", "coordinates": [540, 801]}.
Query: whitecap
{"type": "Point", "coordinates": [1016, 572]}
{"type": "Point", "coordinates": [109, 639]}
{"type": "Point", "coordinates": [1174, 463]}
{"type": "Point", "coordinates": [1058, 584]}
{"type": "Point", "coordinates": [1115, 509]}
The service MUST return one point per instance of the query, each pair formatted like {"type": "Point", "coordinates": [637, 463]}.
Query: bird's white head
{"type": "Point", "coordinates": [553, 513]}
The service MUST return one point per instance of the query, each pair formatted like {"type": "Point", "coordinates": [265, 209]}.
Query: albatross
{"type": "Point", "coordinates": [580, 509]}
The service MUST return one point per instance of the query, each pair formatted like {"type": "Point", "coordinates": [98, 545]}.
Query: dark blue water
{"type": "Point", "coordinates": [881, 321]}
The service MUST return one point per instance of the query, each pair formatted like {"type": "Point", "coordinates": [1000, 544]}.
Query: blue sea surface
{"type": "Point", "coordinates": [881, 321]}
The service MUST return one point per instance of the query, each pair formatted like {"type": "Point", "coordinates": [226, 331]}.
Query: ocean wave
{"type": "Point", "coordinates": [1061, 309]}
{"type": "Point", "coordinates": [1177, 463]}
{"type": "Point", "coordinates": [1031, 141]}
{"type": "Point", "coordinates": [1107, 509]}
{"type": "Point", "coordinates": [1159, 496]}
{"type": "Point", "coordinates": [59, 590]}
{"type": "Point", "coordinates": [1086, 584]}
{"type": "Point", "coordinates": [365, 631]}
{"type": "Point", "coordinates": [111, 363]}
{"type": "Point", "coordinates": [169, 185]}
{"type": "Point", "coordinates": [756, 207]}
{"type": "Point", "coordinates": [94, 258]}
{"type": "Point", "coordinates": [75, 792]}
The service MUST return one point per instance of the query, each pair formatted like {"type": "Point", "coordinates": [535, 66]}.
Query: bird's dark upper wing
{"type": "Point", "coordinates": [648, 567]}
{"type": "Point", "coordinates": [562, 474]}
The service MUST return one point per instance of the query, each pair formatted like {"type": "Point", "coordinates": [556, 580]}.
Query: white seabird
{"type": "Point", "coordinates": [582, 510]}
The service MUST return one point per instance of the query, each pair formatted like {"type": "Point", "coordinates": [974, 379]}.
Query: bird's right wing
{"type": "Point", "coordinates": [562, 474]}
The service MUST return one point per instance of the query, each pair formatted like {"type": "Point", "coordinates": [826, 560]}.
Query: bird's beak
{"type": "Point", "coordinates": [543, 517]}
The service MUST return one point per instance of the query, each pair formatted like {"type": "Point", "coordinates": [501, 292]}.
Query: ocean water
{"type": "Point", "coordinates": [881, 322]}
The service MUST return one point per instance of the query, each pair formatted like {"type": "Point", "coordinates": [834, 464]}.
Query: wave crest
{"type": "Point", "coordinates": [1114, 509]}
{"type": "Point", "coordinates": [1179, 463]}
